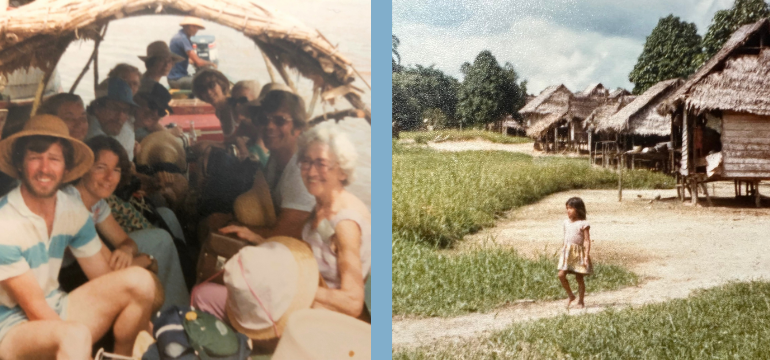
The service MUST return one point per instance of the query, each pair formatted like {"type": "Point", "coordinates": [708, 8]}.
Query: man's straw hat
{"type": "Point", "coordinates": [160, 48]}
{"type": "Point", "coordinates": [255, 207]}
{"type": "Point", "coordinates": [267, 283]}
{"type": "Point", "coordinates": [194, 21]}
{"type": "Point", "coordinates": [322, 334]}
{"type": "Point", "coordinates": [162, 147]}
{"type": "Point", "coordinates": [48, 125]}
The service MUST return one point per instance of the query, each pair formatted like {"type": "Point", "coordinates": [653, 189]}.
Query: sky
{"type": "Point", "coordinates": [549, 42]}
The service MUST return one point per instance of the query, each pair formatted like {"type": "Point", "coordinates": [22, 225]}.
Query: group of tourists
{"type": "Point", "coordinates": [93, 240]}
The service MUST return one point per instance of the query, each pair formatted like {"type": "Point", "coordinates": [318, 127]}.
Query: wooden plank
{"type": "Point", "coordinates": [745, 141]}
{"type": "Point", "coordinates": [752, 154]}
{"type": "Point", "coordinates": [746, 161]}
{"type": "Point", "coordinates": [751, 133]}
{"type": "Point", "coordinates": [735, 126]}
{"type": "Point", "coordinates": [746, 175]}
{"type": "Point", "coordinates": [744, 147]}
{"type": "Point", "coordinates": [745, 167]}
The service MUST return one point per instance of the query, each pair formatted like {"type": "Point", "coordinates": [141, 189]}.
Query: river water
{"type": "Point", "coordinates": [343, 22]}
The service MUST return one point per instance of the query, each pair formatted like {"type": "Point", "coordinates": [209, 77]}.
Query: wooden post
{"type": "Point", "coordinates": [47, 77]}
{"type": "Point", "coordinates": [620, 184]}
{"type": "Point", "coordinates": [757, 198]}
{"type": "Point", "coordinates": [316, 92]}
{"type": "Point", "coordinates": [590, 153]}
{"type": "Point", "coordinates": [556, 139]}
{"type": "Point", "coordinates": [267, 65]}
{"type": "Point", "coordinates": [694, 190]}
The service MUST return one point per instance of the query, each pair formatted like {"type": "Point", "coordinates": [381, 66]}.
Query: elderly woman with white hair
{"type": "Point", "coordinates": [338, 230]}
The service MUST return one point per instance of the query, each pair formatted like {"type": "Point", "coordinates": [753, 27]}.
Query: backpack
{"type": "Point", "coordinates": [189, 334]}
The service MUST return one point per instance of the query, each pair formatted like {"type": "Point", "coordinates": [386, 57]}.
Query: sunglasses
{"type": "Point", "coordinates": [278, 120]}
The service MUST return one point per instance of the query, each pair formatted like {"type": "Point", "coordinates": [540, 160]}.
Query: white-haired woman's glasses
{"type": "Point", "coordinates": [321, 165]}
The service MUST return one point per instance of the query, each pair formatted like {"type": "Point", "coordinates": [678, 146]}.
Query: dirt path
{"type": "Point", "coordinates": [483, 145]}
{"type": "Point", "coordinates": [674, 248]}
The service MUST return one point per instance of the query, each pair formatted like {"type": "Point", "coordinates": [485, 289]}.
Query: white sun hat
{"type": "Point", "coordinates": [317, 334]}
{"type": "Point", "coordinates": [267, 283]}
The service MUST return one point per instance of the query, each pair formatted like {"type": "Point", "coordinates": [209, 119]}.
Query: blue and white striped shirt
{"type": "Point", "coordinates": [25, 244]}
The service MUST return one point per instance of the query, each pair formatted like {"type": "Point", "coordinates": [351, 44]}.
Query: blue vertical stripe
{"type": "Point", "coordinates": [85, 234]}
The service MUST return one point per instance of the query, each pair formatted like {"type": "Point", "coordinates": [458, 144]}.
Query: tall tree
{"type": "Point", "coordinates": [395, 55]}
{"type": "Point", "coordinates": [488, 91]}
{"type": "Point", "coordinates": [725, 22]}
{"type": "Point", "coordinates": [672, 50]}
{"type": "Point", "coordinates": [427, 89]}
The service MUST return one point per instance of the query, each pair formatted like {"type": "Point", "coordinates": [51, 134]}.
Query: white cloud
{"type": "Point", "coordinates": [576, 43]}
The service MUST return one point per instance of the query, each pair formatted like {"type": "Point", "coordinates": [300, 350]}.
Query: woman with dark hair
{"type": "Point", "coordinates": [111, 167]}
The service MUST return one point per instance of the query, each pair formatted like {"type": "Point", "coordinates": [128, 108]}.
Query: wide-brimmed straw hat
{"type": "Point", "coordinates": [255, 207]}
{"type": "Point", "coordinates": [322, 334]}
{"type": "Point", "coordinates": [160, 49]}
{"type": "Point", "coordinates": [268, 283]}
{"type": "Point", "coordinates": [162, 147]}
{"type": "Point", "coordinates": [194, 21]}
{"type": "Point", "coordinates": [48, 125]}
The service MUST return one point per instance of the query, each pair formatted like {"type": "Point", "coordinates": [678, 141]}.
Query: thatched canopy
{"type": "Point", "coordinates": [601, 114]}
{"type": "Point", "coordinates": [618, 93]}
{"type": "Point", "coordinates": [747, 40]}
{"type": "Point", "coordinates": [594, 90]}
{"type": "Point", "coordinates": [35, 35]}
{"type": "Point", "coordinates": [743, 86]}
{"type": "Point", "coordinates": [553, 99]}
{"type": "Point", "coordinates": [544, 123]}
{"type": "Point", "coordinates": [582, 106]}
{"type": "Point", "coordinates": [641, 117]}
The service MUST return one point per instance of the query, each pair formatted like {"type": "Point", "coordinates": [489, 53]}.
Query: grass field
{"type": "Point", "coordinates": [727, 322]}
{"type": "Point", "coordinates": [422, 137]}
{"type": "Point", "coordinates": [429, 282]}
{"type": "Point", "coordinates": [438, 197]}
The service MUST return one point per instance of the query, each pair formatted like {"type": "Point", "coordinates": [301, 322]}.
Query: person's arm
{"type": "Point", "coordinates": [289, 223]}
{"type": "Point", "coordinates": [225, 115]}
{"type": "Point", "coordinates": [125, 247]}
{"type": "Point", "coordinates": [193, 56]}
{"type": "Point", "coordinates": [587, 242]}
{"type": "Point", "coordinates": [28, 294]}
{"type": "Point", "coordinates": [94, 266]}
{"type": "Point", "coordinates": [349, 298]}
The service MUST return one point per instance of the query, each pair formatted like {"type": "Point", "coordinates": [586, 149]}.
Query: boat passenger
{"type": "Point", "coordinates": [338, 231]}
{"type": "Point", "coordinates": [38, 319]}
{"type": "Point", "coordinates": [280, 116]}
{"type": "Point", "coordinates": [70, 108]}
{"type": "Point", "coordinates": [181, 45]}
{"type": "Point", "coordinates": [111, 167]}
{"type": "Point", "coordinates": [108, 115]}
{"type": "Point", "coordinates": [158, 62]}
{"type": "Point", "coordinates": [128, 73]}
{"type": "Point", "coordinates": [153, 106]}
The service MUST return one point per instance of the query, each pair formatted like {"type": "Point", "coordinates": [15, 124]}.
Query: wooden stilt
{"type": "Point", "coordinates": [693, 191]}
{"type": "Point", "coordinates": [757, 198]}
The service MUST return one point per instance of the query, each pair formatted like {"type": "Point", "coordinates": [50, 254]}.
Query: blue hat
{"type": "Point", "coordinates": [119, 90]}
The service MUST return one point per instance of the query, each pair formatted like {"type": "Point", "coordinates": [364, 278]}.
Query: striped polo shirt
{"type": "Point", "coordinates": [25, 244]}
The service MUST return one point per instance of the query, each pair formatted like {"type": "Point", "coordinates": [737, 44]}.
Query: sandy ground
{"type": "Point", "coordinates": [483, 145]}
{"type": "Point", "coordinates": [675, 248]}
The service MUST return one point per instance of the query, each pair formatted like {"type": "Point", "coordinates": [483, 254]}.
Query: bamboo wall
{"type": "Point", "coordinates": [746, 146]}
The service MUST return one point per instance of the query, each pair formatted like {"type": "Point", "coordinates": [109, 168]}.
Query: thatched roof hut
{"type": "Point", "coordinates": [640, 117]}
{"type": "Point", "coordinates": [546, 109]}
{"type": "Point", "coordinates": [618, 93]}
{"type": "Point", "coordinates": [604, 112]}
{"type": "Point", "coordinates": [728, 90]}
{"type": "Point", "coordinates": [594, 90]}
{"type": "Point", "coordinates": [37, 34]}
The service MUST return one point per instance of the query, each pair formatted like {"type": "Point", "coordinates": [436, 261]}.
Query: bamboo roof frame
{"type": "Point", "coordinates": [33, 35]}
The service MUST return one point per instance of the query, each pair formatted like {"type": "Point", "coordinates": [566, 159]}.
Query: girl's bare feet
{"type": "Point", "coordinates": [580, 305]}
{"type": "Point", "coordinates": [570, 300]}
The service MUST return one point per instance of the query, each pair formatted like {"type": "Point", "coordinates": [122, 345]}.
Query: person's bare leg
{"type": "Point", "coordinates": [122, 297]}
{"type": "Point", "coordinates": [581, 290]}
{"type": "Point", "coordinates": [565, 285]}
{"type": "Point", "coordinates": [60, 340]}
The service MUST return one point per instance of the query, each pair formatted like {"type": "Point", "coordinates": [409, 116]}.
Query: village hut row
{"type": "Point", "coordinates": [712, 126]}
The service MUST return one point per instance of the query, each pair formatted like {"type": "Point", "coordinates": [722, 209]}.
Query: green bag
{"type": "Point", "coordinates": [213, 339]}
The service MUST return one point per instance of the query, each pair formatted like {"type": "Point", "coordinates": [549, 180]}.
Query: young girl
{"type": "Point", "coordinates": [575, 257]}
